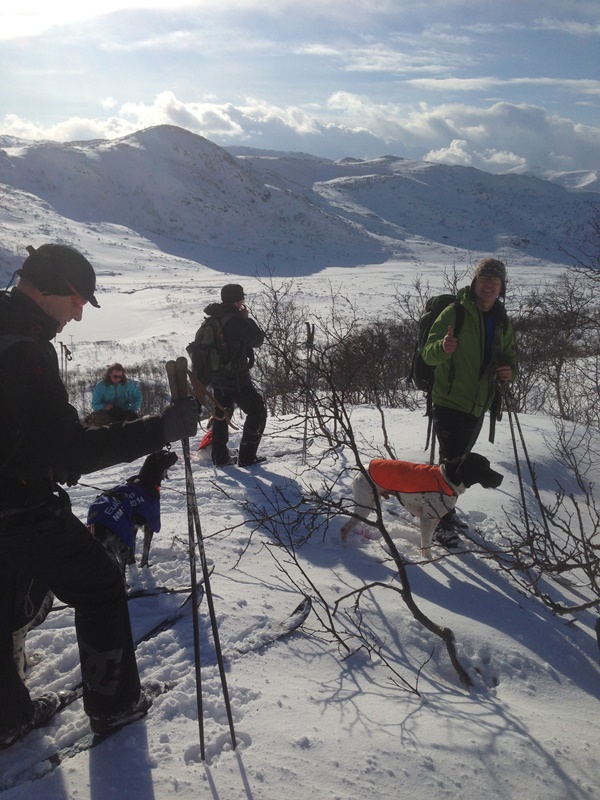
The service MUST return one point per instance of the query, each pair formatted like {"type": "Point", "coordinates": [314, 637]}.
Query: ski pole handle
{"type": "Point", "coordinates": [177, 372]}
{"type": "Point", "coordinates": [172, 378]}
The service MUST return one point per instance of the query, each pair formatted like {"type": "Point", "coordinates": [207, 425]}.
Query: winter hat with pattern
{"type": "Point", "coordinates": [232, 293]}
{"type": "Point", "coordinates": [491, 268]}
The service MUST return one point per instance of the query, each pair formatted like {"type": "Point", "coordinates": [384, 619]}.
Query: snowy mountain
{"type": "Point", "coordinates": [167, 218]}
{"type": "Point", "coordinates": [263, 212]}
{"type": "Point", "coordinates": [581, 180]}
{"type": "Point", "coordinates": [188, 197]}
{"type": "Point", "coordinates": [462, 207]}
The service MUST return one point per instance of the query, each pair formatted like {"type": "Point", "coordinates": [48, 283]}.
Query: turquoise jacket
{"type": "Point", "coordinates": [125, 396]}
{"type": "Point", "coordinates": [460, 382]}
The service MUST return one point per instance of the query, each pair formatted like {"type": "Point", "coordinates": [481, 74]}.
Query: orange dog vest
{"type": "Point", "coordinates": [404, 476]}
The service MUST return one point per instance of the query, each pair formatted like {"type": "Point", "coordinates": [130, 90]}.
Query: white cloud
{"type": "Point", "coordinates": [568, 26]}
{"type": "Point", "coordinates": [460, 152]}
{"type": "Point", "coordinates": [589, 87]}
{"type": "Point", "coordinates": [456, 153]}
{"type": "Point", "coordinates": [495, 138]}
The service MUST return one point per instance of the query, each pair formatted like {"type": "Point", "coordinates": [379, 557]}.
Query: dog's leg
{"type": "Point", "coordinates": [428, 525]}
{"type": "Point", "coordinates": [148, 534]}
{"type": "Point", "coordinates": [364, 503]}
{"type": "Point", "coordinates": [131, 550]}
{"type": "Point", "coordinates": [348, 526]}
{"type": "Point", "coordinates": [115, 547]}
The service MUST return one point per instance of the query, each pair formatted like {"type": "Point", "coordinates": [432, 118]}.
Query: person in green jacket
{"type": "Point", "coordinates": [469, 366]}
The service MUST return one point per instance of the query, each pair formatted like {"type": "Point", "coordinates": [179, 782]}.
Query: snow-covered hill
{"type": "Point", "coordinates": [462, 207]}
{"type": "Point", "coordinates": [188, 197]}
{"type": "Point", "coordinates": [313, 721]}
{"type": "Point", "coordinates": [585, 180]}
{"type": "Point", "coordinates": [178, 193]}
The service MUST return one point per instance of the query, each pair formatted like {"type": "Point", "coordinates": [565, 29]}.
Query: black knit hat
{"type": "Point", "coordinates": [491, 268]}
{"type": "Point", "coordinates": [232, 293]}
{"type": "Point", "coordinates": [60, 270]}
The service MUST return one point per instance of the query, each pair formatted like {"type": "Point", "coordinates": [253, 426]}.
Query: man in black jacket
{"type": "Point", "coordinates": [234, 386]}
{"type": "Point", "coordinates": [43, 444]}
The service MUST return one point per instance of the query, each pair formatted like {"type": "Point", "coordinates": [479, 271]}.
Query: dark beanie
{"type": "Point", "coordinates": [60, 270]}
{"type": "Point", "coordinates": [232, 293]}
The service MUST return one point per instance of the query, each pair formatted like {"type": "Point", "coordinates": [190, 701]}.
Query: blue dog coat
{"type": "Point", "coordinates": [117, 509]}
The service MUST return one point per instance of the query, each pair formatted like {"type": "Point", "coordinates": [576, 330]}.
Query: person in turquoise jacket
{"type": "Point", "coordinates": [469, 366]}
{"type": "Point", "coordinates": [116, 396]}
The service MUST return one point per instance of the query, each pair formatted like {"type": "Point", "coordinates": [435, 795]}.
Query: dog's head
{"type": "Point", "coordinates": [471, 469]}
{"type": "Point", "coordinates": [155, 467]}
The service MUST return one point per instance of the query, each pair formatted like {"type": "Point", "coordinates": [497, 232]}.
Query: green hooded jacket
{"type": "Point", "coordinates": [459, 382]}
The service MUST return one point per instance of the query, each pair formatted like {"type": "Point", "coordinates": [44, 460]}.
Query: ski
{"type": "Point", "coordinates": [252, 642]}
{"type": "Point", "coordinates": [273, 631]}
{"type": "Point", "coordinates": [82, 745]}
{"type": "Point", "coordinates": [134, 594]}
{"type": "Point", "coordinates": [172, 619]}
{"type": "Point", "coordinates": [69, 696]}
{"type": "Point", "coordinates": [154, 591]}
{"type": "Point", "coordinates": [149, 591]}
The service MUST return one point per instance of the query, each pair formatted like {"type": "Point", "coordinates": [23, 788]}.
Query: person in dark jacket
{"type": "Point", "coordinates": [469, 366]}
{"type": "Point", "coordinates": [43, 445]}
{"type": "Point", "coordinates": [234, 387]}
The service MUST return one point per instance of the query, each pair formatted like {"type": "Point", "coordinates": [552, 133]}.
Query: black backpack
{"type": "Point", "coordinates": [209, 352]}
{"type": "Point", "coordinates": [421, 374]}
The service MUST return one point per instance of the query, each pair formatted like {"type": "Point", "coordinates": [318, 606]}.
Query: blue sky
{"type": "Point", "coordinates": [494, 85]}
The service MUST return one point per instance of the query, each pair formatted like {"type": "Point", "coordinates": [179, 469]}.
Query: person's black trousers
{"type": "Point", "coordinates": [55, 548]}
{"type": "Point", "coordinates": [252, 404]}
{"type": "Point", "coordinates": [456, 431]}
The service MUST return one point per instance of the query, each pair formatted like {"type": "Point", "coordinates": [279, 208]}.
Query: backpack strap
{"type": "Point", "coordinates": [459, 318]}
{"type": "Point", "coordinates": [218, 324]}
{"type": "Point", "coordinates": [459, 311]}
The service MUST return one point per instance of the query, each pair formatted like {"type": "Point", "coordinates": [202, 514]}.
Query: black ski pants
{"type": "Point", "coordinates": [252, 404]}
{"type": "Point", "coordinates": [456, 431]}
{"type": "Point", "coordinates": [55, 548]}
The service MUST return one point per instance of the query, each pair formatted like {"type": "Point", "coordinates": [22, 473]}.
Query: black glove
{"type": "Point", "coordinates": [180, 419]}
{"type": "Point", "coordinates": [70, 478]}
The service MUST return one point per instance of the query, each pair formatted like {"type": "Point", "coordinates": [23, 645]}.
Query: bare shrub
{"type": "Point", "coordinates": [556, 544]}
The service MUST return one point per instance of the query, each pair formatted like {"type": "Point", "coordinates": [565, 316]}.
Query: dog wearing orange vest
{"type": "Point", "coordinates": [427, 491]}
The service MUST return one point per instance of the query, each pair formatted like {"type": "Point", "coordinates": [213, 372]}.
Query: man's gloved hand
{"type": "Point", "coordinates": [180, 419]}
{"type": "Point", "coordinates": [70, 478]}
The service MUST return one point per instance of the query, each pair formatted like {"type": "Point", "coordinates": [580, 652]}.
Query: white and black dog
{"type": "Point", "coordinates": [428, 492]}
{"type": "Point", "coordinates": [116, 515]}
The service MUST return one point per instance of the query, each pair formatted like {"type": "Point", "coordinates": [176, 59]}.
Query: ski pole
{"type": "Point", "coordinates": [310, 343]}
{"type": "Point", "coordinates": [181, 373]}
{"type": "Point", "coordinates": [175, 395]}
{"type": "Point", "coordinates": [510, 405]}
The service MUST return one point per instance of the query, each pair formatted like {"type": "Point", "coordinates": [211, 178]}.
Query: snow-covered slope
{"type": "Point", "coordinates": [462, 207]}
{"type": "Point", "coordinates": [587, 180]}
{"type": "Point", "coordinates": [312, 720]}
{"type": "Point", "coordinates": [286, 214]}
{"type": "Point", "coordinates": [187, 196]}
